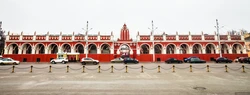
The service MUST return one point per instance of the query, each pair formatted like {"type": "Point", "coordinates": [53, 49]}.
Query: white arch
{"type": "Point", "coordinates": [9, 46]}
{"type": "Point", "coordinates": [37, 48]}
{"type": "Point", "coordinates": [23, 46]}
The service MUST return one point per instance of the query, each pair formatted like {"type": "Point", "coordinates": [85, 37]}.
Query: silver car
{"type": "Point", "coordinates": [84, 61]}
{"type": "Point", "coordinates": [59, 60]}
{"type": "Point", "coordinates": [117, 60]}
{"type": "Point", "coordinates": [9, 61]}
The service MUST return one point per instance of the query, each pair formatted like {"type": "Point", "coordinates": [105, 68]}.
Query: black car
{"type": "Point", "coordinates": [196, 60]}
{"type": "Point", "coordinates": [189, 58]}
{"type": "Point", "coordinates": [130, 60]}
{"type": "Point", "coordinates": [173, 60]}
{"type": "Point", "coordinates": [223, 59]}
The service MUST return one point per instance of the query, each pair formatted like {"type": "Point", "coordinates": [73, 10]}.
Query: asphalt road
{"type": "Point", "coordinates": [120, 82]}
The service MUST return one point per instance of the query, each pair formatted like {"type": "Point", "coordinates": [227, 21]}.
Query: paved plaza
{"type": "Point", "coordinates": [94, 81]}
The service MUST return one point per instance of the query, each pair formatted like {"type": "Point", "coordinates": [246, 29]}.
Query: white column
{"type": "Point", "coordinates": [190, 51]}
{"type": "Point", "coordinates": [164, 51]}
{"type": "Point", "coordinates": [229, 51]}
{"type": "Point", "coordinates": [46, 50]}
{"type": "Point", "coordinates": [177, 36]}
{"type": "Point", "coordinates": [60, 50]}
{"type": "Point", "coordinates": [112, 51]}
{"type": "Point", "coordinates": [164, 37]}
{"type": "Point", "coordinates": [204, 51]}
{"type": "Point", "coordinates": [138, 50]}
{"type": "Point", "coordinates": [85, 50]}
{"type": "Point", "coordinates": [19, 51]}
{"type": "Point", "coordinates": [151, 50]}
{"type": "Point", "coordinates": [33, 50]}
{"type": "Point", "coordinates": [177, 50]}
{"type": "Point", "coordinates": [244, 51]}
{"type": "Point", "coordinates": [73, 50]}
{"type": "Point", "coordinates": [98, 50]}
{"type": "Point", "coordinates": [6, 51]}
{"type": "Point", "coordinates": [189, 36]}
{"type": "Point", "coordinates": [202, 36]}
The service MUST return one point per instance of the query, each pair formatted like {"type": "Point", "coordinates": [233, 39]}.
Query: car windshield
{"type": "Point", "coordinates": [195, 59]}
{"type": "Point", "coordinates": [118, 59]}
{"type": "Point", "coordinates": [88, 59]}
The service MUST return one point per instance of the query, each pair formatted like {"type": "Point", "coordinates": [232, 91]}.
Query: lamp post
{"type": "Point", "coordinates": [152, 30]}
{"type": "Point", "coordinates": [87, 30]}
{"type": "Point", "coordinates": [218, 36]}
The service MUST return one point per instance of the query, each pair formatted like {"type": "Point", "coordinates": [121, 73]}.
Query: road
{"type": "Point", "coordinates": [120, 82]}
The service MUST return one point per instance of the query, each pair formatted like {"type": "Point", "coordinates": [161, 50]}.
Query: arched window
{"type": "Point", "coordinates": [144, 49]}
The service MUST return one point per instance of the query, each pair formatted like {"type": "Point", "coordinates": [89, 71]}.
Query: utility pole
{"type": "Point", "coordinates": [152, 30]}
{"type": "Point", "coordinates": [218, 36]}
{"type": "Point", "coordinates": [87, 30]}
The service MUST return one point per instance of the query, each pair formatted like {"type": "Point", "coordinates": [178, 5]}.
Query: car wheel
{"type": "Point", "coordinates": [14, 63]}
{"type": "Point", "coordinates": [63, 62]}
{"type": "Point", "coordinates": [53, 62]}
{"type": "Point", "coordinates": [1, 64]}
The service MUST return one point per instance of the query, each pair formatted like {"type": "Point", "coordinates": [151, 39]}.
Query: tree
{"type": "Point", "coordinates": [2, 40]}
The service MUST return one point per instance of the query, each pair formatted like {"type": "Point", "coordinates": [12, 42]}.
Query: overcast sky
{"type": "Point", "coordinates": [110, 15]}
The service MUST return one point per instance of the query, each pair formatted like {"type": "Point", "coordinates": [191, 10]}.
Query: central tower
{"type": "Point", "coordinates": [124, 36]}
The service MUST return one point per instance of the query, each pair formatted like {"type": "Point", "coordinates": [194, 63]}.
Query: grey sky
{"type": "Point", "coordinates": [110, 15]}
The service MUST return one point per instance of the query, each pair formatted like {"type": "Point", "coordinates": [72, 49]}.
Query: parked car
{"type": "Point", "coordinates": [59, 60]}
{"type": "Point", "coordinates": [130, 60]}
{"type": "Point", "coordinates": [244, 59]}
{"type": "Point", "coordinates": [84, 61]}
{"type": "Point", "coordinates": [9, 61]}
{"type": "Point", "coordinates": [196, 60]}
{"type": "Point", "coordinates": [173, 60]}
{"type": "Point", "coordinates": [188, 59]}
{"type": "Point", "coordinates": [117, 60]}
{"type": "Point", "coordinates": [223, 59]}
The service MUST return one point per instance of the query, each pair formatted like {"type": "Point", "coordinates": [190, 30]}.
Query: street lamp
{"type": "Point", "coordinates": [87, 30]}
{"type": "Point", "coordinates": [152, 30]}
{"type": "Point", "coordinates": [218, 36]}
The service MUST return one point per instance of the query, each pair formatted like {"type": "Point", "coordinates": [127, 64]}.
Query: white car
{"type": "Point", "coordinates": [9, 61]}
{"type": "Point", "coordinates": [117, 60]}
{"type": "Point", "coordinates": [59, 60]}
{"type": "Point", "coordinates": [84, 61]}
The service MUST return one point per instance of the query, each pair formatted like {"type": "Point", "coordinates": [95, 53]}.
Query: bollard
{"type": "Point", "coordinates": [159, 68]}
{"type": "Point", "coordinates": [50, 69]}
{"type": "Point", "coordinates": [191, 68]}
{"type": "Point", "coordinates": [31, 68]}
{"type": "Point", "coordinates": [207, 68]}
{"type": "Point", "coordinates": [126, 69]}
{"type": "Point", "coordinates": [83, 67]}
{"type": "Point", "coordinates": [13, 69]}
{"type": "Point", "coordinates": [226, 68]}
{"type": "Point", "coordinates": [141, 68]}
{"type": "Point", "coordinates": [67, 68]}
{"type": "Point", "coordinates": [99, 69]}
{"type": "Point", "coordinates": [112, 69]}
{"type": "Point", "coordinates": [173, 68]}
{"type": "Point", "coordinates": [243, 68]}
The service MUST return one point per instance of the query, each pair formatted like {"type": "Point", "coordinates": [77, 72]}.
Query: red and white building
{"type": "Point", "coordinates": [43, 48]}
